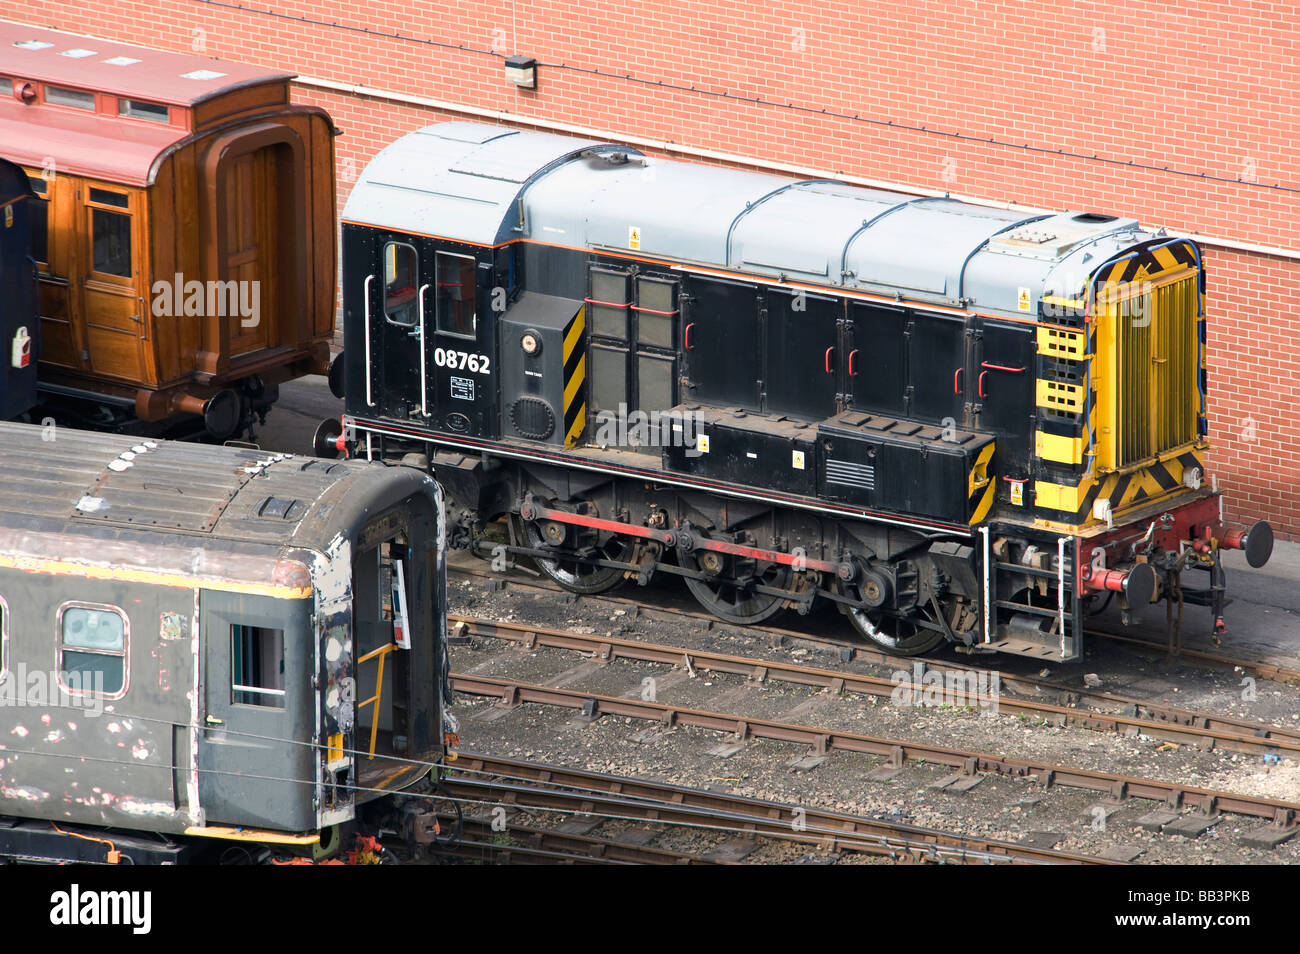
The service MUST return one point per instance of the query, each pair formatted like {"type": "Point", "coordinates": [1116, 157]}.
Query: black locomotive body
{"type": "Point", "coordinates": [209, 647]}
{"type": "Point", "coordinates": [19, 315]}
{"type": "Point", "coordinates": [955, 422]}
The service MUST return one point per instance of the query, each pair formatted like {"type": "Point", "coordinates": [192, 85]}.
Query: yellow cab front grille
{"type": "Point", "coordinates": [1157, 351]}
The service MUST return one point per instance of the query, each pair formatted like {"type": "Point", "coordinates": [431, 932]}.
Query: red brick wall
{"type": "Point", "coordinates": [1180, 116]}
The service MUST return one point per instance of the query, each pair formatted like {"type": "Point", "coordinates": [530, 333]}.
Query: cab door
{"type": "Point", "coordinates": [461, 371]}
{"type": "Point", "coordinates": [399, 294]}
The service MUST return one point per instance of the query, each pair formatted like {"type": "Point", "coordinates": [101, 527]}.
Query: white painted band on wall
{"type": "Point", "coordinates": [659, 145]}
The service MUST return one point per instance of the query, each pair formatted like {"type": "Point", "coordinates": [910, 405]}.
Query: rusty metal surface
{"type": "Point", "coordinates": [897, 751]}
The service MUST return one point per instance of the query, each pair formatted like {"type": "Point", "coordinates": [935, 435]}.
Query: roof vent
{"type": "Point", "coordinates": [279, 507]}
{"type": "Point", "coordinates": [121, 61]}
{"type": "Point", "coordinates": [33, 45]}
{"type": "Point", "coordinates": [202, 75]}
{"type": "Point", "coordinates": [612, 158]}
{"type": "Point", "coordinates": [77, 53]}
{"type": "Point", "coordinates": [1033, 235]}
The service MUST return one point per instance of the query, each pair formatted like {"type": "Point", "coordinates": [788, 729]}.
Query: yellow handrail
{"type": "Point", "coordinates": [381, 652]}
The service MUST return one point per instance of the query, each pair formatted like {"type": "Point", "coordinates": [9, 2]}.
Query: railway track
{"type": "Point", "coordinates": [1120, 714]}
{"type": "Point", "coordinates": [525, 844]}
{"type": "Point", "coordinates": [968, 763]}
{"type": "Point", "coordinates": [1259, 668]}
{"type": "Point", "coordinates": [489, 781]}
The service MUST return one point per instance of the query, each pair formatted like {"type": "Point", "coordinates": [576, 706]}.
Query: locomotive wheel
{"type": "Point", "coordinates": [572, 574]}
{"type": "Point", "coordinates": [729, 599]}
{"type": "Point", "coordinates": [893, 634]}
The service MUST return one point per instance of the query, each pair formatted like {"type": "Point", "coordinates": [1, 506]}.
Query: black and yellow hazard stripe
{"type": "Point", "coordinates": [575, 376]}
{"type": "Point", "coordinates": [1150, 260]}
{"type": "Point", "coordinates": [1156, 480]}
{"type": "Point", "coordinates": [981, 485]}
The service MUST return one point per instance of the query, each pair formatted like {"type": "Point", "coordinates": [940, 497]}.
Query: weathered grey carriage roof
{"type": "Point", "coordinates": [81, 479]}
{"type": "Point", "coordinates": [490, 184]}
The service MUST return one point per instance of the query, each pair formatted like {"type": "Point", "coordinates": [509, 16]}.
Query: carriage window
{"type": "Point", "coordinates": [111, 239]}
{"type": "Point", "coordinates": [401, 274]}
{"type": "Point", "coordinates": [138, 109]}
{"type": "Point", "coordinates": [6, 85]}
{"type": "Point", "coordinates": [40, 219]}
{"type": "Point", "coordinates": [69, 97]}
{"type": "Point", "coordinates": [118, 200]}
{"type": "Point", "coordinates": [256, 666]}
{"type": "Point", "coordinates": [92, 649]}
{"type": "Point", "coordinates": [456, 293]}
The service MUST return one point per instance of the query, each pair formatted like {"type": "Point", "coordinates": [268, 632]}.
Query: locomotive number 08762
{"type": "Point", "coordinates": [461, 360]}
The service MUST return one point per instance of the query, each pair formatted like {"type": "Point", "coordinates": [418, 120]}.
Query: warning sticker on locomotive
{"type": "Point", "coordinates": [1024, 302]}
{"type": "Point", "coordinates": [462, 389]}
{"type": "Point", "coordinates": [634, 238]}
{"type": "Point", "coordinates": [797, 460]}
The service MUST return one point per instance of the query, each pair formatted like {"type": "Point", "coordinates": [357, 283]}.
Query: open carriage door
{"type": "Point", "coordinates": [397, 718]}
{"type": "Point", "coordinates": [251, 217]}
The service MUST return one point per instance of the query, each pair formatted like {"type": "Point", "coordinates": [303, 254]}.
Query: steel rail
{"type": "Point", "coordinates": [1173, 794]}
{"type": "Point", "coordinates": [1170, 723]}
{"type": "Point", "coordinates": [584, 847]}
{"type": "Point", "coordinates": [561, 787]}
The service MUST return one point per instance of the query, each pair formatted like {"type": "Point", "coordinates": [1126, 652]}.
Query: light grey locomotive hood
{"type": "Point", "coordinates": [488, 185]}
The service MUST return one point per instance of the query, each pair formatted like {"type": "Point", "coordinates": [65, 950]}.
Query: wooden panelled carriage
{"type": "Point", "coordinates": [185, 228]}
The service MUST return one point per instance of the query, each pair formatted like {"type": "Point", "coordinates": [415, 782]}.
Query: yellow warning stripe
{"type": "Point", "coordinates": [574, 334]}
{"type": "Point", "coordinates": [579, 423]}
{"type": "Point", "coordinates": [575, 409]}
{"type": "Point", "coordinates": [575, 382]}
{"type": "Point", "coordinates": [156, 578]}
{"type": "Point", "coordinates": [252, 834]}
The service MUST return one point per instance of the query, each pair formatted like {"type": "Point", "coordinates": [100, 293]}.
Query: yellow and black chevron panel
{"type": "Point", "coordinates": [981, 485]}
{"type": "Point", "coordinates": [1150, 260]}
{"type": "Point", "coordinates": [575, 377]}
{"type": "Point", "coordinates": [1071, 506]}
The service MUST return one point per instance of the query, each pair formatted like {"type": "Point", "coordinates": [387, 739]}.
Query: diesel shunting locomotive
{"type": "Point", "coordinates": [958, 423]}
